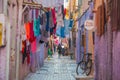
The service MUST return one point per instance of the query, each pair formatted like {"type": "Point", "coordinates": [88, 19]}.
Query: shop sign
{"type": "Point", "coordinates": [2, 30]}
{"type": "Point", "coordinates": [89, 24]}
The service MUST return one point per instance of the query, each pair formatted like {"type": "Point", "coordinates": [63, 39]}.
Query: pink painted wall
{"type": "Point", "coordinates": [107, 56]}
{"type": "Point", "coordinates": [3, 63]}
{"type": "Point", "coordinates": [116, 56]}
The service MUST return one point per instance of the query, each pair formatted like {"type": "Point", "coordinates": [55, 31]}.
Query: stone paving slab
{"type": "Point", "coordinates": [55, 69]}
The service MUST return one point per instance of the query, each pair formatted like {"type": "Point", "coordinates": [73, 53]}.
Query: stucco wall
{"type": "Point", "coordinates": [116, 56]}
{"type": "Point", "coordinates": [2, 63]}
{"type": "Point", "coordinates": [107, 56]}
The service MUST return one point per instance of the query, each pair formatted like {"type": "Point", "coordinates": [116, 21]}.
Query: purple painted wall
{"type": "Point", "coordinates": [3, 63]}
{"type": "Point", "coordinates": [107, 56]}
{"type": "Point", "coordinates": [116, 56]}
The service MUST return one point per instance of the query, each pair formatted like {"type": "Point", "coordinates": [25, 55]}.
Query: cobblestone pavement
{"type": "Point", "coordinates": [55, 69]}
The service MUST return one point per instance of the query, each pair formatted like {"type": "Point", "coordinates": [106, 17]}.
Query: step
{"type": "Point", "coordinates": [84, 78]}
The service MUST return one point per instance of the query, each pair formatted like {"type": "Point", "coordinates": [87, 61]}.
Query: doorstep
{"type": "Point", "coordinates": [84, 77]}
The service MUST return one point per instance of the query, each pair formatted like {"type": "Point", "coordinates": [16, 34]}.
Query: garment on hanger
{"type": "Point", "coordinates": [63, 32]}
{"type": "Point", "coordinates": [28, 54]}
{"type": "Point", "coordinates": [59, 14]}
{"type": "Point", "coordinates": [47, 24]}
{"type": "Point", "coordinates": [41, 19]}
{"type": "Point", "coordinates": [63, 11]}
{"type": "Point", "coordinates": [54, 15]}
{"type": "Point", "coordinates": [66, 25]}
{"type": "Point", "coordinates": [51, 31]}
{"type": "Point", "coordinates": [37, 27]}
{"type": "Point", "coordinates": [66, 14]}
{"type": "Point", "coordinates": [33, 46]}
{"type": "Point", "coordinates": [54, 29]}
{"type": "Point", "coordinates": [27, 28]}
{"type": "Point", "coordinates": [51, 23]}
{"type": "Point", "coordinates": [24, 54]}
{"type": "Point", "coordinates": [32, 37]}
{"type": "Point", "coordinates": [71, 23]}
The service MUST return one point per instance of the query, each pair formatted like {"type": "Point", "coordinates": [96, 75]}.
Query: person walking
{"type": "Point", "coordinates": [59, 50]}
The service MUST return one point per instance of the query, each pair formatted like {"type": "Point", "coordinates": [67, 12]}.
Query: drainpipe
{"type": "Point", "coordinates": [7, 39]}
{"type": "Point", "coordinates": [20, 2]}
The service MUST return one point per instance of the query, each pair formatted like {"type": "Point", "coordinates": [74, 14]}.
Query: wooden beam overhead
{"type": "Point", "coordinates": [34, 5]}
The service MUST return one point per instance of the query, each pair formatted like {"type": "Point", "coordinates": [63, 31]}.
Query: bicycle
{"type": "Point", "coordinates": [85, 64]}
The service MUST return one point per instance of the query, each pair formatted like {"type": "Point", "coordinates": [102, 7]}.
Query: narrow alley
{"type": "Point", "coordinates": [62, 68]}
{"type": "Point", "coordinates": [59, 39]}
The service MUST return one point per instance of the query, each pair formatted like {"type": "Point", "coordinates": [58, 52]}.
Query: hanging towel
{"type": "Point", "coordinates": [37, 27]}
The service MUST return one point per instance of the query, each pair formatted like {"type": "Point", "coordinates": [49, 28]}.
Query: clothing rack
{"type": "Point", "coordinates": [34, 5]}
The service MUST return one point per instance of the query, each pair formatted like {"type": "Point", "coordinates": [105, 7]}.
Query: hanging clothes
{"type": "Point", "coordinates": [51, 23]}
{"type": "Point", "coordinates": [63, 11]}
{"type": "Point", "coordinates": [66, 14]}
{"type": "Point", "coordinates": [24, 52]}
{"type": "Point", "coordinates": [66, 25]}
{"type": "Point", "coordinates": [41, 19]}
{"type": "Point", "coordinates": [71, 23]}
{"type": "Point", "coordinates": [32, 37]}
{"type": "Point", "coordinates": [27, 28]}
{"type": "Point", "coordinates": [51, 31]}
{"type": "Point", "coordinates": [58, 33]}
{"type": "Point", "coordinates": [63, 32]}
{"type": "Point", "coordinates": [47, 24]}
{"type": "Point", "coordinates": [44, 21]}
{"type": "Point", "coordinates": [37, 27]}
{"type": "Point", "coordinates": [54, 15]}
{"type": "Point", "coordinates": [28, 54]}
{"type": "Point", "coordinates": [60, 22]}
{"type": "Point", "coordinates": [33, 46]}
{"type": "Point", "coordinates": [54, 29]}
